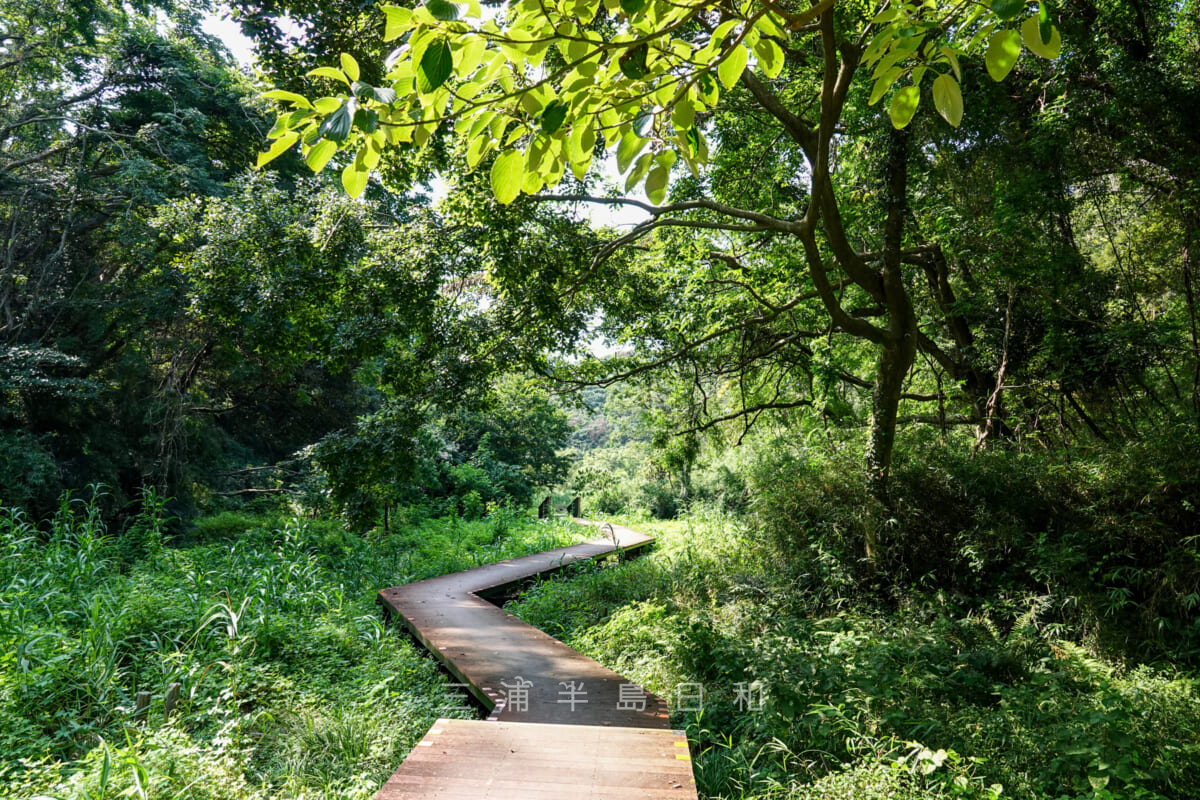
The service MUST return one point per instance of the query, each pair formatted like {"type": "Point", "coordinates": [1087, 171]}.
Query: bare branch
{"type": "Point", "coordinates": [799, 129]}
{"type": "Point", "coordinates": [935, 419]}
{"type": "Point", "coordinates": [690, 346]}
{"type": "Point", "coordinates": [765, 220]}
{"type": "Point", "coordinates": [49, 152]}
{"type": "Point", "coordinates": [745, 412]}
{"type": "Point", "coordinates": [646, 227]}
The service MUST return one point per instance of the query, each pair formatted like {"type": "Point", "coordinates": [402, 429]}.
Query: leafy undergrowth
{"type": "Point", "coordinates": [290, 685]}
{"type": "Point", "coordinates": [918, 700]}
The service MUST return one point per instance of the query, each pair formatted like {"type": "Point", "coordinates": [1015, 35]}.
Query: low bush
{"type": "Point", "coordinates": [1110, 537]}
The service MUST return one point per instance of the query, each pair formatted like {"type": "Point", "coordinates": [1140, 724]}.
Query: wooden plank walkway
{"type": "Point", "coordinates": [573, 728]}
{"type": "Point", "coordinates": [473, 760]}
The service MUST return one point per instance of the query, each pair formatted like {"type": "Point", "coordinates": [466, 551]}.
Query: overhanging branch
{"type": "Point", "coordinates": [765, 220]}
{"type": "Point", "coordinates": [754, 410]}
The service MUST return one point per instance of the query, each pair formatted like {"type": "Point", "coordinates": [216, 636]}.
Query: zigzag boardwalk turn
{"type": "Point", "coordinates": [561, 726]}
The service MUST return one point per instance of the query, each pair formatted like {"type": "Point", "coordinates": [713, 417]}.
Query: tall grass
{"type": "Point", "coordinates": [289, 682]}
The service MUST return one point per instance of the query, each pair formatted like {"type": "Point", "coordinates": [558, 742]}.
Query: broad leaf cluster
{"type": "Point", "coordinates": [543, 83]}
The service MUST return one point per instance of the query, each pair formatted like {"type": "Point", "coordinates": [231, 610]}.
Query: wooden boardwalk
{"type": "Point", "coordinates": [560, 726]}
{"type": "Point", "coordinates": [474, 760]}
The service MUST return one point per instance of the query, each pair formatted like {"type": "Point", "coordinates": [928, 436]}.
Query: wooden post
{"type": "Point", "coordinates": [544, 509]}
{"type": "Point", "coordinates": [170, 699]}
{"type": "Point", "coordinates": [141, 705]}
{"type": "Point", "coordinates": [576, 507]}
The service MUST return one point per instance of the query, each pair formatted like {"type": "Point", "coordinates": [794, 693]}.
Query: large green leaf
{"type": "Point", "coordinates": [366, 120]}
{"type": "Point", "coordinates": [643, 123]}
{"type": "Point", "coordinates": [1031, 34]}
{"type": "Point", "coordinates": [770, 57]}
{"type": "Point", "coordinates": [319, 155]}
{"type": "Point", "coordinates": [329, 72]}
{"type": "Point", "coordinates": [354, 178]}
{"type": "Point", "coordinates": [683, 115]}
{"type": "Point", "coordinates": [631, 7]}
{"type": "Point", "coordinates": [582, 141]}
{"type": "Point", "coordinates": [633, 62]}
{"type": "Point", "coordinates": [383, 94]}
{"type": "Point", "coordinates": [1002, 54]}
{"type": "Point", "coordinates": [1045, 26]}
{"type": "Point", "coordinates": [398, 20]}
{"type": "Point", "coordinates": [277, 148]}
{"type": "Point", "coordinates": [627, 149]}
{"type": "Point", "coordinates": [437, 64]}
{"type": "Point", "coordinates": [290, 97]}
{"type": "Point", "coordinates": [731, 68]}
{"type": "Point", "coordinates": [553, 116]}
{"type": "Point", "coordinates": [1007, 9]}
{"type": "Point", "coordinates": [904, 105]}
{"type": "Point", "coordinates": [883, 83]}
{"type": "Point", "coordinates": [350, 66]}
{"type": "Point", "coordinates": [440, 9]}
{"type": "Point", "coordinates": [947, 98]}
{"type": "Point", "coordinates": [477, 149]}
{"type": "Point", "coordinates": [640, 168]}
{"type": "Point", "coordinates": [508, 173]}
{"type": "Point", "coordinates": [337, 125]}
{"type": "Point", "coordinates": [656, 183]}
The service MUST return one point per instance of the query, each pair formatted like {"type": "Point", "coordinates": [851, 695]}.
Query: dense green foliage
{"type": "Point", "coordinates": [167, 320]}
{"type": "Point", "coordinates": [1010, 691]}
{"type": "Point", "coordinates": [106, 115]}
{"type": "Point", "coordinates": [818, 236]}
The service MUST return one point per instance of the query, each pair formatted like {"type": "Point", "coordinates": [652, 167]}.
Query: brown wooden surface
{"type": "Point", "coordinates": [474, 760]}
{"type": "Point", "coordinates": [488, 649]}
{"type": "Point", "coordinates": [611, 743]}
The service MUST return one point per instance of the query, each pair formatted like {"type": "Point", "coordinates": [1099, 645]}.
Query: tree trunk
{"type": "Point", "coordinates": [899, 348]}
{"type": "Point", "coordinates": [1189, 290]}
{"type": "Point", "coordinates": [894, 363]}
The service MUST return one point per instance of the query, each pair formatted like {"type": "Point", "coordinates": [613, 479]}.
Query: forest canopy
{"type": "Point", "coordinates": [972, 218]}
{"type": "Point", "coordinates": [854, 236]}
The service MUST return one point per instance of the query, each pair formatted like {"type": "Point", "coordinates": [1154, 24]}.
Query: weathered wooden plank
{"type": "Point", "coordinates": [529, 761]}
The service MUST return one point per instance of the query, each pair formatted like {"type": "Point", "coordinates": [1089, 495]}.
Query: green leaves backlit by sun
{"type": "Point", "coordinates": [541, 85]}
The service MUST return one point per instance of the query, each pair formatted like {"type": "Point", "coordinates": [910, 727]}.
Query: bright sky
{"type": "Point", "coordinates": [225, 29]}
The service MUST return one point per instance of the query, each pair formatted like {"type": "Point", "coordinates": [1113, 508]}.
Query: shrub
{"type": "Point", "coordinates": [658, 500]}
{"type": "Point", "coordinates": [28, 472]}
{"type": "Point", "coordinates": [609, 501]}
{"type": "Point", "coordinates": [225, 525]}
{"type": "Point", "coordinates": [472, 505]}
{"type": "Point", "coordinates": [145, 532]}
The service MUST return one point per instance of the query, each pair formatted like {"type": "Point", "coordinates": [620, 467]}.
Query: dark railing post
{"type": "Point", "coordinates": [544, 509]}
{"type": "Point", "coordinates": [171, 698]}
{"type": "Point", "coordinates": [141, 706]}
{"type": "Point", "coordinates": [576, 507]}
